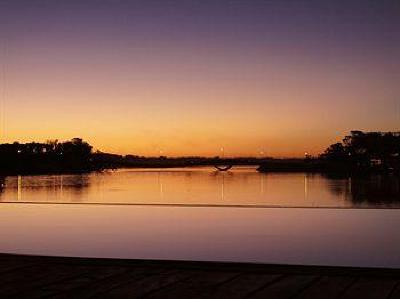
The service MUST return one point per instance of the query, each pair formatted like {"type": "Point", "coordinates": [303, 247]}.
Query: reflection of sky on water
{"type": "Point", "coordinates": [204, 186]}
{"type": "Point", "coordinates": [347, 237]}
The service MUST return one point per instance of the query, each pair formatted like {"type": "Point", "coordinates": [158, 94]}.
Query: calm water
{"type": "Point", "coordinates": [220, 217]}
{"type": "Point", "coordinates": [204, 186]}
{"type": "Point", "coordinates": [346, 237]}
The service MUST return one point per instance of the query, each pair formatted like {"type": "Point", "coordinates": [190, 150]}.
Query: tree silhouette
{"type": "Point", "coordinates": [71, 156]}
{"type": "Point", "coordinates": [367, 150]}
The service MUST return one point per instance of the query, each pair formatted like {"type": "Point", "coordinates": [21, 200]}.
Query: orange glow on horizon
{"type": "Point", "coordinates": [249, 86]}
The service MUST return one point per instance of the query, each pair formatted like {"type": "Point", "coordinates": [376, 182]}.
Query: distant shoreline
{"type": "Point", "coordinates": [358, 153]}
{"type": "Point", "coordinates": [269, 165]}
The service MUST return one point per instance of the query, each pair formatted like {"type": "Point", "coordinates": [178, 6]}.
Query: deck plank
{"type": "Point", "coordinates": [101, 286]}
{"type": "Point", "coordinates": [195, 285]}
{"type": "Point", "coordinates": [139, 288]}
{"type": "Point", "coordinates": [54, 277]}
{"type": "Point", "coordinates": [328, 287]}
{"type": "Point", "coordinates": [240, 287]}
{"type": "Point", "coordinates": [396, 292]}
{"type": "Point", "coordinates": [371, 288]}
{"type": "Point", "coordinates": [287, 287]}
{"type": "Point", "coordinates": [95, 276]}
{"type": "Point", "coordinates": [30, 278]}
{"type": "Point", "coordinates": [13, 266]}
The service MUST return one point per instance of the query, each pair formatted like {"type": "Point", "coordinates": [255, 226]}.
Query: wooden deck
{"type": "Point", "coordinates": [53, 277]}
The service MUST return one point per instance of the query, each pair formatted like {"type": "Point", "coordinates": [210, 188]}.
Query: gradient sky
{"type": "Point", "coordinates": [190, 77]}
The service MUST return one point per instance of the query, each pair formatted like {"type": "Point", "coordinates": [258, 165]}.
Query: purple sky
{"type": "Point", "coordinates": [190, 77]}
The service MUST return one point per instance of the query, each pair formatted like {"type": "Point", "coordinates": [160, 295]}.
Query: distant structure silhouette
{"type": "Point", "coordinates": [223, 167]}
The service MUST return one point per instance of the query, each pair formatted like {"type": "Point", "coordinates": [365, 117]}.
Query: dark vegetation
{"type": "Point", "coordinates": [370, 151]}
{"type": "Point", "coordinates": [360, 152]}
{"type": "Point", "coordinates": [76, 156]}
{"type": "Point", "coordinates": [51, 157]}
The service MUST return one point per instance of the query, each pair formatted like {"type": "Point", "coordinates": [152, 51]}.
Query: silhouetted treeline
{"type": "Point", "coordinates": [365, 151]}
{"type": "Point", "coordinates": [76, 156]}
{"type": "Point", "coordinates": [50, 157]}
{"type": "Point", "coordinates": [359, 152]}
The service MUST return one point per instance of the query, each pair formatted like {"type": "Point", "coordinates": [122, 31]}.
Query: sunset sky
{"type": "Point", "coordinates": [276, 78]}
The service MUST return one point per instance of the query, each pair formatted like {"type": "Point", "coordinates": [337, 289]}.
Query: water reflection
{"type": "Point", "coordinates": [48, 188]}
{"type": "Point", "coordinates": [369, 190]}
{"type": "Point", "coordinates": [19, 188]}
{"type": "Point", "coordinates": [2, 183]}
{"type": "Point", "coordinates": [342, 237]}
{"type": "Point", "coordinates": [204, 186]}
